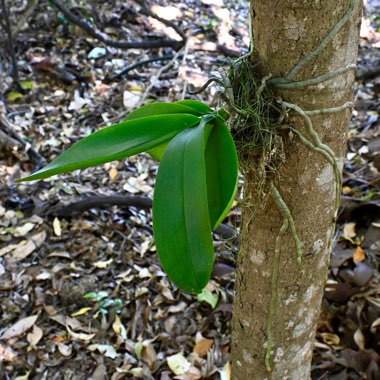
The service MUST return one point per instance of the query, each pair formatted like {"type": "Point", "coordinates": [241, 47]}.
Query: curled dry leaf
{"type": "Point", "coordinates": [103, 264]}
{"type": "Point", "coordinates": [359, 339]}
{"type": "Point", "coordinates": [79, 336]}
{"type": "Point", "coordinates": [119, 328]}
{"type": "Point", "coordinates": [375, 326]}
{"type": "Point", "coordinates": [19, 327]}
{"type": "Point", "coordinates": [330, 339]}
{"type": "Point", "coordinates": [64, 349]}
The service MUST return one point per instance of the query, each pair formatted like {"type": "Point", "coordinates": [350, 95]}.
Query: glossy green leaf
{"type": "Point", "coordinates": [117, 142]}
{"type": "Point", "coordinates": [181, 221]}
{"type": "Point", "coordinates": [161, 109]}
{"type": "Point", "coordinates": [221, 172]}
{"type": "Point", "coordinates": [196, 105]}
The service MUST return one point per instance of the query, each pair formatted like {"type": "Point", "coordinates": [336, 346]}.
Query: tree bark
{"type": "Point", "coordinates": [284, 31]}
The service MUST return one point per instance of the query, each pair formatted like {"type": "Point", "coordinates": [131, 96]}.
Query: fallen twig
{"type": "Point", "coordinates": [79, 207]}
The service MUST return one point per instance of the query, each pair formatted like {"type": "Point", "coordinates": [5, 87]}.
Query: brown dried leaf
{"type": "Point", "coordinates": [19, 327]}
{"type": "Point", "coordinates": [359, 255]}
{"type": "Point", "coordinates": [148, 355]}
{"type": "Point", "coordinates": [202, 345]}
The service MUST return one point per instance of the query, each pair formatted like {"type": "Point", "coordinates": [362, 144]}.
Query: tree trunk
{"type": "Point", "coordinates": [283, 33]}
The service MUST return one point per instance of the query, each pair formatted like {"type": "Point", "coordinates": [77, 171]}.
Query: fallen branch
{"type": "Point", "coordinates": [100, 202]}
{"type": "Point", "coordinates": [83, 24]}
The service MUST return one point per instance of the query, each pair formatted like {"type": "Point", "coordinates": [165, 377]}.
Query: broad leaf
{"type": "Point", "coordinates": [165, 109]}
{"type": "Point", "coordinates": [161, 109]}
{"type": "Point", "coordinates": [117, 142]}
{"type": "Point", "coordinates": [221, 172]}
{"type": "Point", "coordinates": [196, 105]}
{"type": "Point", "coordinates": [181, 221]}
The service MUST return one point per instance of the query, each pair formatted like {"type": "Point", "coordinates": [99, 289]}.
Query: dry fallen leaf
{"type": "Point", "coordinates": [113, 173]}
{"type": "Point", "coordinates": [19, 327]}
{"type": "Point", "coordinates": [82, 311]}
{"type": "Point", "coordinates": [106, 349]}
{"type": "Point", "coordinates": [103, 264]}
{"type": "Point", "coordinates": [225, 373]}
{"type": "Point", "coordinates": [359, 255]}
{"type": "Point", "coordinates": [359, 339]}
{"type": "Point", "coordinates": [24, 229]}
{"type": "Point", "coordinates": [349, 231]}
{"type": "Point", "coordinates": [79, 336]}
{"type": "Point", "coordinates": [57, 227]}
{"type": "Point", "coordinates": [119, 328]}
{"type": "Point", "coordinates": [23, 377]}
{"type": "Point", "coordinates": [330, 339]}
{"type": "Point", "coordinates": [375, 325]}
{"type": "Point", "coordinates": [26, 247]}
{"type": "Point", "coordinates": [6, 354]}
{"type": "Point", "coordinates": [64, 349]}
{"type": "Point", "coordinates": [178, 364]}
{"type": "Point", "coordinates": [35, 336]}
{"type": "Point", "coordinates": [202, 345]}
{"type": "Point", "coordinates": [148, 355]}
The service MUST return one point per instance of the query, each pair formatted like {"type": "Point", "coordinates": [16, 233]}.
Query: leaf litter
{"type": "Point", "coordinates": [136, 324]}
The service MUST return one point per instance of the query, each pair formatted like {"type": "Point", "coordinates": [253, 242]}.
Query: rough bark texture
{"type": "Point", "coordinates": [284, 32]}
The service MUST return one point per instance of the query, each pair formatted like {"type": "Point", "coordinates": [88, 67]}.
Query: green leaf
{"type": "Point", "coordinates": [161, 109]}
{"type": "Point", "coordinates": [221, 172]}
{"type": "Point", "coordinates": [117, 142]}
{"type": "Point", "coordinates": [209, 297]}
{"type": "Point", "coordinates": [196, 105]}
{"type": "Point", "coordinates": [180, 211]}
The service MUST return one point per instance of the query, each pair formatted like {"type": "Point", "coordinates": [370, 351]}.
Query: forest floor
{"type": "Point", "coordinates": [82, 295]}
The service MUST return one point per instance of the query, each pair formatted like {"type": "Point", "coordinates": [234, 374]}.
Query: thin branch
{"type": "Point", "coordinates": [83, 24]}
